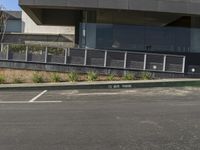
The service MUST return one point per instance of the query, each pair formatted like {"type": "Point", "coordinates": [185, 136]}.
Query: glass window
{"type": "Point", "coordinates": [142, 38]}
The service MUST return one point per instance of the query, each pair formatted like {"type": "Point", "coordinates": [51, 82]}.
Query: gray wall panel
{"type": "Point", "coordinates": [83, 3]}
{"type": "Point", "coordinates": [50, 3]}
{"type": "Point", "coordinates": [113, 4]}
{"type": "Point", "coordinates": [194, 8]}
{"type": "Point", "coordinates": [25, 2]}
{"type": "Point", "coordinates": [173, 6]}
{"type": "Point", "coordinates": [150, 5]}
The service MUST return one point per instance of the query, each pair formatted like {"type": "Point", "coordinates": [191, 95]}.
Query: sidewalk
{"type": "Point", "coordinates": [103, 84]}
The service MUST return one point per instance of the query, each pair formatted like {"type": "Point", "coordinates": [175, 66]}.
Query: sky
{"type": "Point", "coordinates": [10, 4]}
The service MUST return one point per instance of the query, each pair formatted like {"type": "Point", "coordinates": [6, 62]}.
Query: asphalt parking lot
{"type": "Point", "coordinates": [129, 119]}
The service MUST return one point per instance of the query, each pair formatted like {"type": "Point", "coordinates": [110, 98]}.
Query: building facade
{"type": "Point", "coordinates": [155, 26]}
{"type": "Point", "coordinates": [22, 30]}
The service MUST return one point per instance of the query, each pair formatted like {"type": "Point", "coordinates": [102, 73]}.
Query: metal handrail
{"type": "Point", "coordinates": [87, 50]}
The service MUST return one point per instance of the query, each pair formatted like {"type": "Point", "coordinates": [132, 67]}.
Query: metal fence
{"type": "Point", "coordinates": [93, 57]}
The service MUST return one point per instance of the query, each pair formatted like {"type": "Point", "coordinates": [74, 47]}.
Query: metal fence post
{"type": "Point", "coordinates": [1, 47]}
{"type": "Point", "coordinates": [66, 51]}
{"type": "Point", "coordinates": [46, 54]}
{"type": "Point", "coordinates": [105, 58]}
{"type": "Point", "coordinates": [183, 67]}
{"type": "Point", "coordinates": [85, 58]}
{"type": "Point", "coordinates": [145, 61]}
{"type": "Point", "coordinates": [125, 59]}
{"type": "Point", "coordinates": [7, 54]}
{"type": "Point", "coordinates": [26, 56]}
{"type": "Point", "coordinates": [164, 62]}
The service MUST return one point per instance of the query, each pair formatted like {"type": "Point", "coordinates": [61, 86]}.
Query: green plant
{"type": "Point", "coordinates": [55, 78]}
{"type": "Point", "coordinates": [92, 76]}
{"type": "Point", "coordinates": [55, 51]}
{"type": "Point", "coordinates": [37, 78]}
{"type": "Point", "coordinates": [17, 80]}
{"type": "Point", "coordinates": [129, 76]}
{"type": "Point", "coordinates": [145, 76]}
{"type": "Point", "coordinates": [2, 79]}
{"type": "Point", "coordinates": [110, 77]}
{"type": "Point", "coordinates": [17, 48]}
{"type": "Point", "coordinates": [73, 76]}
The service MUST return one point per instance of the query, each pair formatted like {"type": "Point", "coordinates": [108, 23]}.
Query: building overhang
{"type": "Point", "coordinates": [178, 6]}
{"type": "Point", "coordinates": [69, 12]}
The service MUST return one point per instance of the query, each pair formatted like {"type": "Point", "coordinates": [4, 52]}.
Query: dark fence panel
{"type": "Point", "coordinates": [174, 64]}
{"type": "Point", "coordinates": [154, 62]}
{"type": "Point", "coordinates": [3, 55]}
{"type": "Point", "coordinates": [56, 55]}
{"type": "Point", "coordinates": [56, 59]}
{"type": "Point", "coordinates": [17, 56]}
{"type": "Point", "coordinates": [95, 58]}
{"type": "Point", "coordinates": [115, 59]}
{"type": "Point", "coordinates": [135, 61]}
{"type": "Point", "coordinates": [36, 54]}
{"type": "Point", "coordinates": [40, 57]}
{"type": "Point", "coordinates": [17, 52]}
{"type": "Point", "coordinates": [76, 57]}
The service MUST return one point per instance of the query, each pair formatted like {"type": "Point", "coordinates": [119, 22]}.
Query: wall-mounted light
{"type": "Point", "coordinates": [193, 70]}
{"type": "Point", "coordinates": [154, 67]}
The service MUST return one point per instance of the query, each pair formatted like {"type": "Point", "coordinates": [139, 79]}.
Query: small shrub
{"type": "Point", "coordinates": [19, 48]}
{"type": "Point", "coordinates": [129, 76]}
{"type": "Point", "coordinates": [2, 79]}
{"type": "Point", "coordinates": [92, 76]}
{"type": "Point", "coordinates": [73, 76]}
{"type": "Point", "coordinates": [146, 76]}
{"type": "Point", "coordinates": [37, 78]}
{"type": "Point", "coordinates": [55, 78]}
{"type": "Point", "coordinates": [110, 77]}
{"type": "Point", "coordinates": [17, 80]}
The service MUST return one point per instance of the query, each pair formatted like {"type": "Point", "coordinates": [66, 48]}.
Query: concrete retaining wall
{"type": "Point", "coordinates": [79, 69]}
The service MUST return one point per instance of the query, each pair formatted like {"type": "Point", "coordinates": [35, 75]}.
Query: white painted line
{"type": "Point", "coordinates": [13, 102]}
{"type": "Point", "coordinates": [95, 94]}
{"type": "Point", "coordinates": [104, 93]}
{"type": "Point", "coordinates": [36, 97]}
{"type": "Point", "coordinates": [25, 102]}
{"type": "Point", "coordinates": [48, 102]}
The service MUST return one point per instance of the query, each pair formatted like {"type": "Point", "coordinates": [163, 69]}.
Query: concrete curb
{"type": "Point", "coordinates": [104, 85]}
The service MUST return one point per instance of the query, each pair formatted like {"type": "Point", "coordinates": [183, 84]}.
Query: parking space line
{"type": "Point", "coordinates": [25, 102]}
{"type": "Point", "coordinates": [48, 102]}
{"type": "Point", "coordinates": [13, 102]}
{"type": "Point", "coordinates": [95, 94]}
{"type": "Point", "coordinates": [36, 97]}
